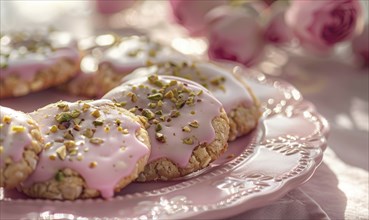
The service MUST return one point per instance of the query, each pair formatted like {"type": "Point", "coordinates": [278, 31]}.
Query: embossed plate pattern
{"type": "Point", "coordinates": [281, 154]}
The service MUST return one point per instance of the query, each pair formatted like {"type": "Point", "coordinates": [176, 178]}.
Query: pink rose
{"type": "Point", "coordinates": [360, 46]}
{"type": "Point", "coordinates": [319, 25]}
{"type": "Point", "coordinates": [277, 32]}
{"type": "Point", "coordinates": [108, 7]}
{"type": "Point", "coordinates": [235, 36]}
{"type": "Point", "coordinates": [191, 14]}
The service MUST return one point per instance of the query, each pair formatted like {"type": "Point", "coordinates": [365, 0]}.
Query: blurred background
{"type": "Point", "coordinates": [322, 49]}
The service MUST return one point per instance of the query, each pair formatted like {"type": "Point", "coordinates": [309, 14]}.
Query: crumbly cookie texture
{"type": "Point", "coordinates": [201, 157]}
{"type": "Point", "coordinates": [187, 126]}
{"type": "Point", "coordinates": [15, 85]}
{"type": "Point", "coordinates": [92, 148]}
{"type": "Point", "coordinates": [240, 103]}
{"type": "Point", "coordinates": [20, 144]}
{"type": "Point", "coordinates": [34, 61]}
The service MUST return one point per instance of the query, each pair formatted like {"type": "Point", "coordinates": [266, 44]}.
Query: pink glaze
{"type": "Point", "coordinates": [231, 92]}
{"type": "Point", "coordinates": [173, 149]}
{"type": "Point", "coordinates": [113, 163]}
{"type": "Point", "coordinates": [134, 52]}
{"type": "Point", "coordinates": [26, 64]}
{"type": "Point", "coordinates": [14, 143]}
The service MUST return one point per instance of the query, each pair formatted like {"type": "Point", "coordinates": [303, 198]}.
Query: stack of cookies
{"type": "Point", "coordinates": [165, 116]}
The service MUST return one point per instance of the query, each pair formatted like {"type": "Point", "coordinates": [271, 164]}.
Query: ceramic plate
{"type": "Point", "coordinates": [278, 156]}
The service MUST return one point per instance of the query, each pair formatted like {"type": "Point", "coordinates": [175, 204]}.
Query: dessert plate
{"type": "Point", "coordinates": [279, 155]}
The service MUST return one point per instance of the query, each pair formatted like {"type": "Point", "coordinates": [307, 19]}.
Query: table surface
{"type": "Point", "coordinates": [337, 88]}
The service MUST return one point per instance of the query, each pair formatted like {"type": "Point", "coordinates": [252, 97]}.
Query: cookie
{"type": "Point", "coordinates": [187, 126]}
{"type": "Point", "coordinates": [20, 144]}
{"type": "Point", "coordinates": [110, 57]}
{"type": "Point", "coordinates": [92, 148]}
{"type": "Point", "coordinates": [33, 61]}
{"type": "Point", "coordinates": [240, 103]}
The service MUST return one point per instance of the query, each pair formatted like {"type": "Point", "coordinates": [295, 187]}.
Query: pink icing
{"type": "Point", "coordinates": [13, 143]}
{"type": "Point", "coordinates": [231, 93]}
{"type": "Point", "coordinates": [174, 148]}
{"type": "Point", "coordinates": [113, 163]}
{"type": "Point", "coordinates": [134, 52]}
{"type": "Point", "coordinates": [27, 64]}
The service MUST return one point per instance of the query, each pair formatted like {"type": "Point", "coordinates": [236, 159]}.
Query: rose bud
{"type": "Point", "coordinates": [191, 14]}
{"type": "Point", "coordinates": [319, 25]}
{"type": "Point", "coordinates": [277, 32]}
{"type": "Point", "coordinates": [360, 46]}
{"type": "Point", "coordinates": [234, 35]}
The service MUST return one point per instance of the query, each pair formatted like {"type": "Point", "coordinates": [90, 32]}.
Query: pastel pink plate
{"type": "Point", "coordinates": [279, 155]}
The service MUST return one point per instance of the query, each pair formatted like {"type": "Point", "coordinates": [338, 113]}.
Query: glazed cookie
{"type": "Point", "coordinates": [20, 144]}
{"type": "Point", "coordinates": [35, 61]}
{"type": "Point", "coordinates": [238, 100]}
{"type": "Point", "coordinates": [110, 57]}
{"type": "Point", "coordinates": [187, 126]}
{"type": "Point", "coordinates": [92, 148]}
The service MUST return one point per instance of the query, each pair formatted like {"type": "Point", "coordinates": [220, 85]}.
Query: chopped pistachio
{"type": "Point", "coordinates": [125, 131]}
{"type": "Point", "coordinates": [190, 101]}
{"type": "Point", "coordinates": [158, 127]}
{"type": "Point", "coordinates": [54, 129]}
{"type": "Point", "coordinates": [68, 135]}
{"type": "Point", "coordinates": [188, 140]}
{"type": "Point", "coordinates": [123, 148]}
{"type": "Point", "coordinates": [180, 104]}
{"type": "Point", "coordinates": [160, 137]}
{"type": "Point", "coordinates": [79, 157]}
{"type": "Point", "coordinates": [18, 128]}
{"type": "Point", "coordinates": [61, 105]}
{"type": "Point", "coordinates": [117, 122]}
{"type": "Point", "coordinates": [134, 98]}
{"type": "Point", "coordinates": [153, 78]}
{"type": "Point", "coordinates": [132, 110]}
{"type": "Point", "coordinates": [186, 129]}
{"type": "Point", "coordinates": [48, 145]}
{"type": "Point", "coordinates": [162, 118]}
{"type": "Point", "coordinates": [194, 124]}
{"type": "Point", "coordinates": [106, 129]}
{"type": "Point", "coordinates": [61, 152]}
{"type": "Point", "coordinates": [151, 105]}
{"type": "Point", "coordinates": [59, 176]}
{"type": "Point", "coordinates": [121, 104]}
{"type": "Point", "coordinates": [160, 112]}
{"type": "Point", "coordinates": [77, 121]}
{"type": "Point", "coordinates": [96, 113]}
{"type": "Point", "coordinates": [175, 114]}
{"type": "Point", "coordinates": [1, 125]}
{"type": "Point", "coordinates": [52, 157]}
{"type": "Point", "coordinates": [69, 144]}
{"type": "Point", "coordinates": [75, 113]}
{"type": "Point", "coordinates": [89, 133]}
{"type": "Point", "coordinates": [1, 149]}
{"type": "Point", "coordinates": [156, 96]}
{"type": "Point", "coordinates": [93, 164]}
{"type": "Point", "coordinates": [169, 94]}
{"type": "Point", "coordinates": [76, 127]}
{"type": "Point", "coordinates": [148, 114]}
{"type": "Point", "coordinates": [160, 103]}
{"type": "Point", "coordinates": [172, 83]}
{"type": "Point", "coordinates": [96, 141]}
{"type": "Point", "coordinates": [7, 119]}
{"type": "Point", "coordinates": [85, 107]}
{"type": "Point", "coordinates": [193, 112]}
{"type": "Point", "coordinates": [98, 123]}
{"type": "Point", "coordinates": [63, 117]}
